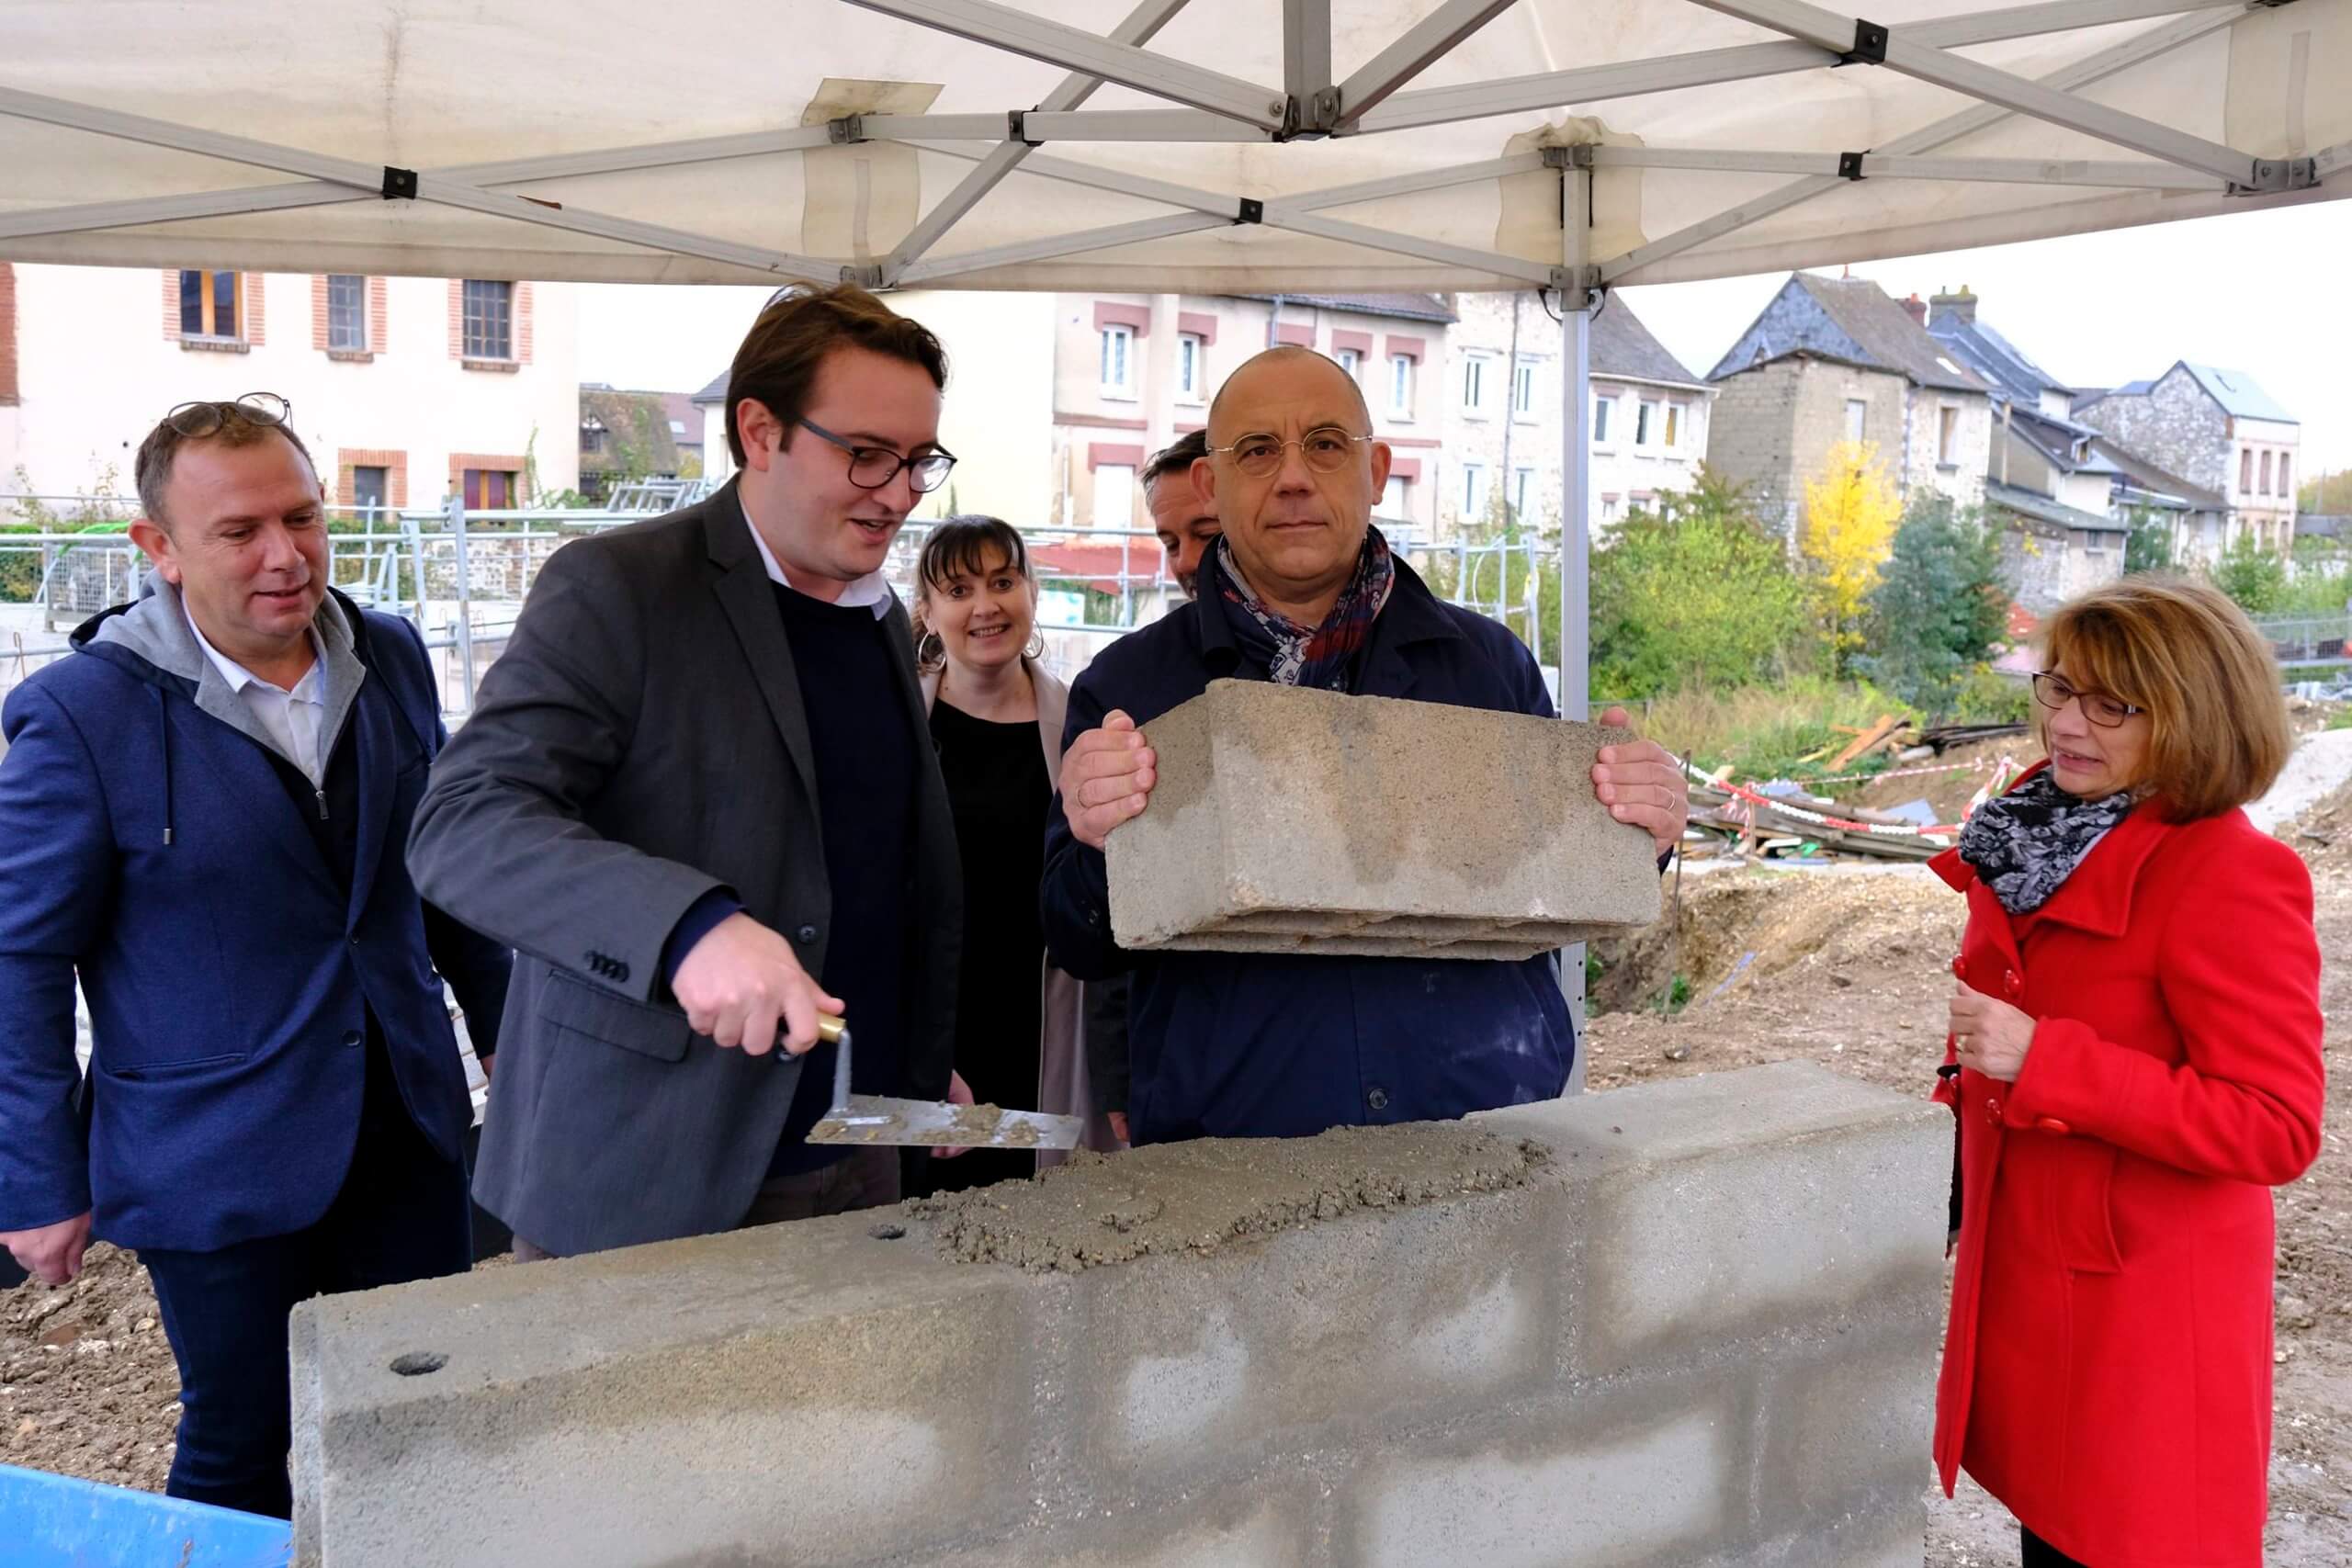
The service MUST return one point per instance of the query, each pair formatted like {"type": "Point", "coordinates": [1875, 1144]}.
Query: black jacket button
{"type": "Point", "coordinates": [807, 933]}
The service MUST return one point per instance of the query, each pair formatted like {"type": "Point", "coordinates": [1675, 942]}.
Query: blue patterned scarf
{"type": "Point", "coordinates": [1322, 655]}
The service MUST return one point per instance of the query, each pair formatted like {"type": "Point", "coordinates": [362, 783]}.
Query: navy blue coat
{"type": "Point", "coordinates": [1228, 1045]}
{"type": "Point", "coordinates": [147, 842]}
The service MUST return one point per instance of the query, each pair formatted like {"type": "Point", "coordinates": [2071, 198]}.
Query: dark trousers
{"type": "Point", "coordinates": [2036, 1552]}
{"type": "Point", "coordinates": [402, 1215]}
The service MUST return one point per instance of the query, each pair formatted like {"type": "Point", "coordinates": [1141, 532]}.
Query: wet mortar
{"type": "Point", "coordinates": [1197, 1196]}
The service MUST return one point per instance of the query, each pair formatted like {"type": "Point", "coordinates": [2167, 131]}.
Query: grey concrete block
{"type": "Point", "coordinates": [803, 1385]}
{"type": "Point", "coordinates": [1243, 1528]}
{"type": "Point", "coordinates": [1326, 1340]}
{"type": "Point", "coordinates": [1778, 1200]}
{"type": "Point", "coordinates": [1848, 1432]}
{"type": "Point", "coordinates": [1308, 821]}
{"type": "Point", "coordinates": [1554, 1492]}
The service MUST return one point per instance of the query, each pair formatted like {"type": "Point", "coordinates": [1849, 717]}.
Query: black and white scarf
{"type": "Point", "coordinates": [2026, 844]}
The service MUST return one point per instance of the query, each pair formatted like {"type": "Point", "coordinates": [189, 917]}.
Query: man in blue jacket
{"type": "Point", "coordinates": [202, 812]}
{"type": "Point", "coordinates": [1303, 590]}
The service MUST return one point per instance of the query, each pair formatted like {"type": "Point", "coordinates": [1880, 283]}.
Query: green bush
{"type": "Point", "coordinates": [1938, 607]}
{"type": "Point", "coordinates": [2148, 546]}
{"type": "Point", "coordinates": [1696, 594]}
{"type": "Point", "coordinates": [2253, 574]}
{"type": "Point", "coordinates": [1985, 696]}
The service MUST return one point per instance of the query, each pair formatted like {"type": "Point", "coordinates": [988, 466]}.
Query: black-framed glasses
{"type": "Point", "coordinates": [201, 418]}
{"type": "Point", "coordinates": [871, 467]}
{"type": "Point", "coordinates": [2052, 691]}
{"type": "Point", "coordinates": [1326, 448]}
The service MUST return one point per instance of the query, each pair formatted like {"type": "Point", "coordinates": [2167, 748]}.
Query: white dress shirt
{"type": "Point", "coordinates": [873, 588]}
{"type": "Point", "coordinates": [293, 719]}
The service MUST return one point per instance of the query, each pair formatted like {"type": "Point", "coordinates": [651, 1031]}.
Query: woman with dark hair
{"type": "Point", "coordinates": [2135, 1060]}
{"type": "Point", "coordinates": [996, 719]}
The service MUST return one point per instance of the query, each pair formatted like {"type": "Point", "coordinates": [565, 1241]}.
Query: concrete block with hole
{"type": "Point", "coordinates": [1444, 1343]}
{"type": "Point", "coordinates": [1287, 820]}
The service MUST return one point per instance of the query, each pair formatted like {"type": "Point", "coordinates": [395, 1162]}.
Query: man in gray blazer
{"type": "Point", "coordinates": [698, 798]}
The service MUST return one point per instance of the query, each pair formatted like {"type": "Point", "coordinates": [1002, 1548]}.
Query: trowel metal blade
{"type": "Point", "coordinates": [927, 1123]}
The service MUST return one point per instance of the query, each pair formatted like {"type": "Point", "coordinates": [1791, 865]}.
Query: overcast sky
{"type": "Point", "coordinates": [2268, 293]}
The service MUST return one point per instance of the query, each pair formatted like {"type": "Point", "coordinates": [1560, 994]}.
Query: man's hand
{"type": "Point", "coordinates": [741, 980]}
{"type": "Point", "coordinates": [51, 1254]}
{"type": "Point", "coordinates": [958, 1093]}
{"type": "Point", "coordinates": [1642, 783]}
{"type": "Point", "coordinates": [1107, 774]}
{"type": "Point", "coordinates": [1989, 1034]}
{"type": "Point", "coordinates": [1119, 1127]}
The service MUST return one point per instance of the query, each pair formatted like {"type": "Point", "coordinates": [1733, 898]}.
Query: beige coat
{"type": "Point", "coordinates": [1062, 1087]}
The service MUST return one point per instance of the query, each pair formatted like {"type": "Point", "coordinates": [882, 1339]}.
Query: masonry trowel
{"type": "Point", "coordinates": [925, 1123]}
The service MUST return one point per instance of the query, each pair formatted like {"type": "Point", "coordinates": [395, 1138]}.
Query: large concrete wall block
{"type": "Point", "coordinates": [1846, 1431]}
{"type": "Point", "coordinates": [1267, 1523]}
{"type": "Point", "coordinates": [802, 1395]}
{"type": "Point", "coordinates": [1782, 1205]}
{"type": "Point", "coordinates": [1308, 821]}
{"type": "Point", "coordinates": [1606, 1489]}
{"type": "Point", "coordinates": [1324, 1338]}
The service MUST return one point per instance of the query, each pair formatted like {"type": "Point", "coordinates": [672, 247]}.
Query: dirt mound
{"type": "Point", "coordinates": [1746, 932]}
{"type": "Point", "coordinates": [2322, 832]}
{"type": "Point", "coordinates": [87, 1386]}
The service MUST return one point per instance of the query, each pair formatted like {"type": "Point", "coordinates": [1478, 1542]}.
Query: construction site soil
{"type": "Point", "coordinates": [1847, 966]}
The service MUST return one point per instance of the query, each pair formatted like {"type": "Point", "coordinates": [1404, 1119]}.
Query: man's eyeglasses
{"type": "Point", "coordinates": [200, 419]}
{"type": "Point", "coordinates": [1325, 449]}
{"type": "Point", "coordinates": [2052, 692]}
{"type": "Point", "coordinates": [871, 467]}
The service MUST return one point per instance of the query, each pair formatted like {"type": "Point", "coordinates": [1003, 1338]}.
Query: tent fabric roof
{"type": "Point", "coordinates": [774, 141]}
{"type": "Point", "coordinates": [1400, 307]}
{"type": "Point", "coordinates": [1621, 345]}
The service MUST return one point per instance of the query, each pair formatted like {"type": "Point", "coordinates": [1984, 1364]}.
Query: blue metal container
{"type": "Point", "coordinates": [53, 1521]}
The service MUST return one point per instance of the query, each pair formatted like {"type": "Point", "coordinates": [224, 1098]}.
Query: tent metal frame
{"type": "Point", "coordinates": [1207, 106]}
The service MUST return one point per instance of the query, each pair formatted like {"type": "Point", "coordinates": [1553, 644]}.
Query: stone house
{"type": "Point", "coordinates": [627, 436]}
{"type": "Point", "coordinates": [1834, 359]}
{"type": "Point", "coordinates": [2218, 430]}
{"type": "Point", "coordinates": [2048, 485]}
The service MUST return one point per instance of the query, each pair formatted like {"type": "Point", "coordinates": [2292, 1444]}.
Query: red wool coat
{"type": "Point", "coordinates": [2107, 1373]}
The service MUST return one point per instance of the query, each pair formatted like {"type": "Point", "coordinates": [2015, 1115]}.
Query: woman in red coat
{"type": "Point", "coordinates": [2135, 1063]}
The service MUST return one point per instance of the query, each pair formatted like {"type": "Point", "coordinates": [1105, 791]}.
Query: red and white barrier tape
{"type": "Point", "coordinates": [1885, 830]}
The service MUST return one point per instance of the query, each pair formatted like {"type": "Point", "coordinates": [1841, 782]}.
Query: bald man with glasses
{"type": "Point", "coordinates": [1302, 590]}
{"type": "Point", "coordinates": [698, 798]}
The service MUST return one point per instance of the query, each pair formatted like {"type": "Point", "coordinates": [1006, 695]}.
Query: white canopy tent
{"type": "Point", "coordinates": [1214, 146]}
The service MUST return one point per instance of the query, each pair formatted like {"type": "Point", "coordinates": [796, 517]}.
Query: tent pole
{"type": "Point", "coordinates": [1741, 63]}
{"type": "Point", "coordinates": [1057, 43]}
{"type": "Point", "coordinates": [1575, 521]}
{"type": "Point", "coordinates": [1943, 69]}
{"type": "Point", "coordinates": [2127, 174]}
{"type": "Point", "coordinates": [1427, 41]}
{"type": "Point", "coordinates": [1140, 25]}
{"type": "Point", "coordinates": [1951, 128]}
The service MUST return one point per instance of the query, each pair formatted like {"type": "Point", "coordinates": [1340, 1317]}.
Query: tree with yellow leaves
{"type": "Point", "coordinates": [1849, 517]}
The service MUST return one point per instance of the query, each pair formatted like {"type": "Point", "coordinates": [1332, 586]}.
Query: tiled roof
{"type": "Point", "coordinates": [1621, 345]}
{"type": "Point", "coordinates": [2027, 503]}
{"type": "Point", "coordinates": [2238, 393]}
{"type": "Point", "coordinates": [1847, 319]}
{"type": "Point", "coordinates": [716, 392]}
{"type": "Point", "coordinates": [1995, 359]}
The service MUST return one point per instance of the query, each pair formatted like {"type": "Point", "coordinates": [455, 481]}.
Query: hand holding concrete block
{"type": "Point", "coordinates": [1291, 820]}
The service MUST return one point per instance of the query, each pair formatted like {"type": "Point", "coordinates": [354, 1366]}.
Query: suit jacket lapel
{"type": "Point", "coordinates": [748, 597]}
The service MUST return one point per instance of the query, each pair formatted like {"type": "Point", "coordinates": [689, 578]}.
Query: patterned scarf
{"type": "Point", "coordinates": [1321, 656]}
{"type": "Point", "coordinates": [2026, 844]}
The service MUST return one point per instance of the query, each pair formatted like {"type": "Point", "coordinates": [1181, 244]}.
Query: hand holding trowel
{"type": "Point", "coordinates": [879, 1119]}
